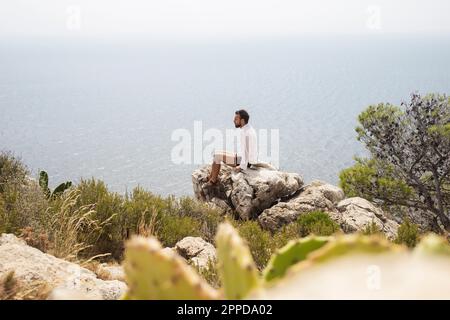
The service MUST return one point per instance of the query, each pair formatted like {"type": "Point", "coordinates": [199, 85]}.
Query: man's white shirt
{"type": "Point", "coordinates": [249, 150]}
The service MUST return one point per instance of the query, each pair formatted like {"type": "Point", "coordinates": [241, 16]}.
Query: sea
{"type": "Point", "coordinates": [114, 108]}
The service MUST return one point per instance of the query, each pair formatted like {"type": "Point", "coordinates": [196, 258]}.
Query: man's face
{"type": "Point", "coordinates": [237, 121]}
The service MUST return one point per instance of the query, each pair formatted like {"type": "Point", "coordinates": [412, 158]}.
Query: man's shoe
{"type": "Point", "coordinates": [210, 183]}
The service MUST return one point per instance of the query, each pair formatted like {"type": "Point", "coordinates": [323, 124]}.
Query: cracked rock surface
{"type": "Point", "coordinates": [248, 193]}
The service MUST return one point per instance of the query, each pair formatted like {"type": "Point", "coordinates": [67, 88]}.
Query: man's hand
{"type": "Point", "coordinates": [237, 168]}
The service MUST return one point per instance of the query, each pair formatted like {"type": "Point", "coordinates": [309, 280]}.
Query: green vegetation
{"type": "Point", "coordinates": [236, 266]}
{"type": "Point", "coordinates": [372, 228]}
{"type": "Point", "coordinates": [12, 171]}
{"type": "Point", "coordinates": [263, 243]}
{"type": "Point", "coordinates": [43, 183]}
{"type": "Point", "coordinates": [316, 222]}
{"type": "Point", "coordinates": [87, 220]}
{"type": "Point", "coordinates": [154, 273]}
{"type": "Point", "coordinates": [374, 179]}
{"type": "Point", "coordinates": [292, 253]}
{"type": "Point", "coordinates": [409, 162]}
{"type": "Point", "coordinates": [408, 234]}
{"type": "Point", "coordinates": [22, 202]}
{"type": "Point", "coordinates": [260, 242]}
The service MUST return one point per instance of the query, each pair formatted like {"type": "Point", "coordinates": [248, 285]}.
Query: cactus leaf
{"type": "Point", "coordinates": [292, 253]}
{"type": "Point", "coordinates": [153, 273]}
{"type": "Point", "coordinates": [365, 267]}
{"type": "Point", "coordinates": [353, 243]}
{"type": "Point", "coordinates": [236, 266]}
{"type": "Point", "coordinates": [61, 188]}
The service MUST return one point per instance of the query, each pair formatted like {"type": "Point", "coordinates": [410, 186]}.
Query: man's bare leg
{"type": "Point", "coordinates": [215, 170]}
{"type": "Point", "coordinates": [227, 158]}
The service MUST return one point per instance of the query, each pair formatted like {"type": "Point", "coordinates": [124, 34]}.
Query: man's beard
{"type": "Point", "coordinates": [237, 125]}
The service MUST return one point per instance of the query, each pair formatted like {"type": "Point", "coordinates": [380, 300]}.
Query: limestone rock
{"type": "Point", "coordinates": [329, 191]}
{"type": "Point", "coordinates": [31, 265]}
{"type": "Point", "coordinates": [196, 250]}
{"type": "Point", "coordinates": [317, 195]}
{"type": "Point", "coordinates": [356, 214]}
{"type": "Point", "coordinates": [110, 272]}
{"type": "Point", "coordinates": [248, 192]}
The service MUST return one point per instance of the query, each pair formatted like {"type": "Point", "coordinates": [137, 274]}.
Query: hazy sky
{"type": "Point", "coordinates": [215, 18]}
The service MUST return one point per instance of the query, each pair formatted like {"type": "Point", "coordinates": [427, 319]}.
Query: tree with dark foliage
{"type": "Point", "coordinates": [410, 156]}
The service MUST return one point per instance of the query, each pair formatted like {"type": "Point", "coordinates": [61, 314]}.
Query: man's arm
{"type": "Point", "coordinates": [244, 151]}
{"type": "Point", "coordinates": [252, 148]}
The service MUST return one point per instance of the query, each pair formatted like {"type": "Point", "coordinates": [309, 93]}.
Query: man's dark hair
{"type": "Point", "coordinates": [244, 115]}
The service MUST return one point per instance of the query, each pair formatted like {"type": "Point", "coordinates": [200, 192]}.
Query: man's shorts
{"type": "Point", "coordinates": [229, 158]}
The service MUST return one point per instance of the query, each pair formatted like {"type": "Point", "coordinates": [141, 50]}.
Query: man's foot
{"type": "Point", "coordinates": [211, 182]}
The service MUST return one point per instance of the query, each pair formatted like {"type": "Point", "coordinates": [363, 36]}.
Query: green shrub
{"type": "Point", "coordinates": [11, 220]}
{"type": "Point", "coordinates": [170, 219]}
{"type": "Point", "coordinates": [260, 241]}
{"type": "Point", "coordinates": [286, 233]}
{"type": "Point", "coordinates": [408, 234]}
{"type": "Point", "coordinates": [142, 212]}
{"type": "Point", "coordinates": [25, 209]}
{"type": "Point", "coordinates": [12, 170]}
{"type": "Point", "coordinates": [208, 217]}
{"type": "Point", "coordinates": [23, 206]}
{"type": "Point", "coordinates": [142, 209]}
{"type": "Point", "coordinates": [263, 243]}
{"type": "Point", "coordinates": [172, 228]}
{"type": "Point", "coordinates": [109, 209]}
{"type": "Point", "coordinates": [316, 222]}
{"type": "Point", "coordinates": [23, 202]}
{"type": "Point", "coordinates": [372, 228]}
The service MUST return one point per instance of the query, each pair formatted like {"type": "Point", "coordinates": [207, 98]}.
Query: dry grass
{"type": "Point", "coordinates": [147, 229]}
{"type": "Point", "coordinates": [13, 289]}
{"type": "Point", "coordinates": [35, 239]}
{"type": "Point", "coordinates": [8, 286]}
{"type": "Point", "coordinates": [71, 227]}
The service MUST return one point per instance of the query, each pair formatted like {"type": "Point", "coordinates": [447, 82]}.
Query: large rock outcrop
{"type": "Point", "coordinates": [32, 266]}
{"type": "Point", "coordinates": [351, 214]}
{"type": "Point", "coordinates": [278, 198]}
{"type": "Point", "coordinates": [247, 193]}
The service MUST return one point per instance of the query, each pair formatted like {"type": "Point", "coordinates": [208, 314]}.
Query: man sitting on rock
{"type": "Point", "coordinates": [248, 149]}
